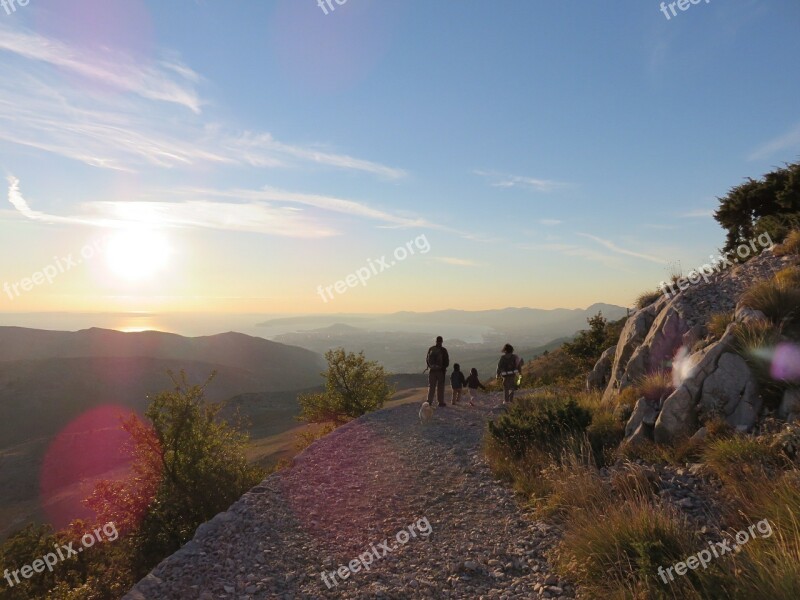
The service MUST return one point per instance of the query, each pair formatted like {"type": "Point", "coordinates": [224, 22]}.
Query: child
{"type": "Point", "coordinates": [457, 380]}
{"type": "Point", "coordinates": [473, 383]}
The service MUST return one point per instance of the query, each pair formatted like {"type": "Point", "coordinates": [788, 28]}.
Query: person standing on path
{"type": "Point", "coordinates": [438, 360]}
{"type": "Point", "coordinates": [473, 383]}
{"type": "Point", "coordinates": [457, 382]}
{"type": "Point", "coordinates": [509, 367]}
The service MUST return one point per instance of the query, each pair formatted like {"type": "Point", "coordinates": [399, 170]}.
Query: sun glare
{"type": "Point", "coordinates": [137, 254]}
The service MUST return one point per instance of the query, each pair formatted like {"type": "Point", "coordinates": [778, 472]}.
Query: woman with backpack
{"type": "Point", "coordinates": [509, 368]}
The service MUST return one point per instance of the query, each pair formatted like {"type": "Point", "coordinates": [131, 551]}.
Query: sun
{"type": "Point", "coordinates": [136, 254]}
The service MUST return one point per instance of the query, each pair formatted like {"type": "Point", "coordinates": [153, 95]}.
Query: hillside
{"type": "Point", "coordinates": [54, 382]}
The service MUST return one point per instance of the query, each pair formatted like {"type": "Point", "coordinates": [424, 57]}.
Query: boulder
{"type": "Point", "coordinates": [643, 433]}
{"type": "Point", "coordinates": [643, 412]}
{"type": "Point", "coordinates": [678, 417]}
{"type": "Point", "coordinates": [790, 405]}
{"type": "Point", "coordinates": [732, 392]}
{"type": "Point", "coordinates": [633, 334]}
{"type": "Point", "coordinates": [598, 378]}
{"type": "Point", "coordinates": [659, 346]}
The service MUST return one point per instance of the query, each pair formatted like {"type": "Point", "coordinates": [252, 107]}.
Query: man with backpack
{"type": "Point", "coordinates": [438, 360]}
{"type": "Point", "coordinates": [509, 368]}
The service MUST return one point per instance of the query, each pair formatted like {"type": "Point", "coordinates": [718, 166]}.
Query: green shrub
{"type": "Point", "coordinates": [542, 422]}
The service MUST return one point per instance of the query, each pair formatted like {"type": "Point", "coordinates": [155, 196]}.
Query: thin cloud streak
{"type": "Point", "coordinates": [504, 180]}
{"type": "Point", "coordinates": [788, 141]}
{"type": "Point", "coordinates": [614, 248]}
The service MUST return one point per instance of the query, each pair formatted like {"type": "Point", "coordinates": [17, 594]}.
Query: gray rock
{"type": "Point", "coordinates": [790, 405]}
{"type": "Point", "coordinates": [643, 412]}
{"type": "Point", "coordinates": [732, 390]}
{"type": "Point", "coordinates": [633, 334]}
{"type": "Point", "coordinates": [601, 373]}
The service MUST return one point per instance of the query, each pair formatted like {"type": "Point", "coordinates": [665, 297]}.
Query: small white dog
{"type": "Point", "coordinates": [426, 412]}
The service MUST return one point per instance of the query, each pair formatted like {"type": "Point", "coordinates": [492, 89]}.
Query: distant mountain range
{"type": "Point", "coordinates": [399, 341]}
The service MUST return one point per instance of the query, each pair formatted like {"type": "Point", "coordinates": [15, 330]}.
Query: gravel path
{"type": "Point", "coordinates": [357, 492]}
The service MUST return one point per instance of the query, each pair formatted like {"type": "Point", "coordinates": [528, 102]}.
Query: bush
{"type": "Point", "coordinates": [541, 422]}
{"type": "Point", "coordinates": [354, 386]}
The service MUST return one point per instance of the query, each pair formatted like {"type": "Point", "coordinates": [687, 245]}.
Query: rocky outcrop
{"type": "Point", "coordinates": [711, 381]}
{"type": "Point", "coordinates": [598, 378]}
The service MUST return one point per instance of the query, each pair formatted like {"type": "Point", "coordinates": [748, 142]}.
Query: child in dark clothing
{"type": "Point", "coordinates": [473, 383]}
{"type": "Point", "coordinates": [457, 380]}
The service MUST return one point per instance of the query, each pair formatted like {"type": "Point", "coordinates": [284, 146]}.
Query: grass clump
{"type": "Point", "coordinates": [656, 386]}
{"type": "Point", "coordinates": [778, 300]}
{"type": "Point", "coordinates": [604, 434]}
{"type": "Point", "coordinates": [739, 459]}
{"type": "Point", "coordinates": [618, 554]}
{"type": "Point", "coordinates": [646, 299]}
{"type": "Point", "coordinates": [718, 323]}
{"type": "Point", "coordinates": [791, 245]}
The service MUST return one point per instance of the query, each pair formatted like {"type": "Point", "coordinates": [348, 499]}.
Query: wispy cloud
{"type": "Point", "coordinates": [458, 262]}
{"type": "Point", "coordinates": [142, 124]}
{"type": "Point", "coordinates": [156, 82]}
{"type": "Point", "coordinates": [550, 222]}
{"type": "Point", "coordinates": [267, 210]}
{"type": "Point", "coordinates": [619, 250]}
{"type": "Point", "coordinates": [504, 180]}
{"type": "Point", "coordinates": [789, 141]}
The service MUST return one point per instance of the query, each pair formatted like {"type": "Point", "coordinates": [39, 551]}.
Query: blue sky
{"type": "Point", "coordinates": [238, 156]}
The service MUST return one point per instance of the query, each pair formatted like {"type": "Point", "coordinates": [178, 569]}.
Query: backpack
{"type": "Point", "coordinates": [435, 358]}
{"type": "Point", "coordinates": [508, 362]}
